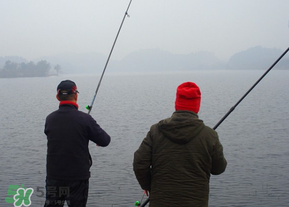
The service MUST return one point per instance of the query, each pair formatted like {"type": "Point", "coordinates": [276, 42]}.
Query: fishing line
{"type": "Point", "coordinates": [89, 107]}
{"type": "Point", "coordinates": [233, 107]}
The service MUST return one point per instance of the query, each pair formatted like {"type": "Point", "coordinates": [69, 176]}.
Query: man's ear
{"type": "Point", "coordinates": [76, 96]}
{"type": "Point", "coordinates": [57, 97]}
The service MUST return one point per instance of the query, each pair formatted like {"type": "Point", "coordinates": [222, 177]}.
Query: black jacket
{"type": "Point", "coordinates": [68, 133]}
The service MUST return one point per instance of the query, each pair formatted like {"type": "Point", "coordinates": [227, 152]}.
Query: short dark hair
{"type": "Point", "coordinates": [66, 97]}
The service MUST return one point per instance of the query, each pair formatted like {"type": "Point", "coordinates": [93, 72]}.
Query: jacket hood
{"type": "Point", "coordinates": [182, 127]}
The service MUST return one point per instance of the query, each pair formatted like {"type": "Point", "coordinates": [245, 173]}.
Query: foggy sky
{"type": "Point", "coordinates": [34, 28]}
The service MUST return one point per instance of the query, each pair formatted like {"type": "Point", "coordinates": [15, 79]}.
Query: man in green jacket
{"type": "Point", "coordinates": [176, 158]}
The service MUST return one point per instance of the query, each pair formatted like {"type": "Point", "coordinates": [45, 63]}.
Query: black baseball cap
{"type": "Point", "coordinates": [66, 87]}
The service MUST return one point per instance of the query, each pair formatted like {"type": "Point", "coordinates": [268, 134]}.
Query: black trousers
{"type": "Point", "coordinates": [74, 192]}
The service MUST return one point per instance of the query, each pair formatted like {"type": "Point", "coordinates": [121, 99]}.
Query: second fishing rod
{"type": "Point", "coordinates": [233, 107]}
{"type": "Point", "coordinates": [89, 107]}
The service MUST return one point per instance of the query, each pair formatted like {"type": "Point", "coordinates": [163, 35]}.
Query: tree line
{"type": "Point", "coordinates": [30, 69]}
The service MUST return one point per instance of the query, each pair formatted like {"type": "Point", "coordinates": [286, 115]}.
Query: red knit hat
{"type": "Point", "coordinates": [188, 97]}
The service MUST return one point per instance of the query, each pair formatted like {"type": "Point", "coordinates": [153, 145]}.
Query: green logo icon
{"type": "Point", "coordinates": [20, 196]}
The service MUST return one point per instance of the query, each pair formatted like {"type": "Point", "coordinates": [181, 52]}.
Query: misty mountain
{"type": "Point", "coordinates": [15, 59]}
{"type": "Point", "coordinates": [257, 58]}
{"type": "Point", "coordinates": [159, 60]}
{"type": "Point", "coordinates": [77, 62]}
{"type": "Point", "coordinates": [138, 61]}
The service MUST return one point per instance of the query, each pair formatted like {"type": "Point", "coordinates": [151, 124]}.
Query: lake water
{"type": "Point", "coordinates": [254, 136]}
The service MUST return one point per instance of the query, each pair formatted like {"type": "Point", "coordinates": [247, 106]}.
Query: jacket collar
{"type": "Point", "coordinates": [184, 112]}
{"type": "Point", "coordinates": [68, 103]}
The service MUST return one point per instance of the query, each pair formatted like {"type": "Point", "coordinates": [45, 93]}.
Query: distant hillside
{"type": "Point", "coordinates": [138, 61]}
{"type": "Point", "coordinates": [159, 60]}
{"type": "Point", "coordinates": [77, 62]}
{"type": "Point", "coordinates": [15, 59]}
{"type": "Point", "coordinates": [258, 58]}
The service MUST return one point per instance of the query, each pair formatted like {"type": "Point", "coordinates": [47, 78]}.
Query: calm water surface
{"type": "Point", "coordinates": [254, 136]}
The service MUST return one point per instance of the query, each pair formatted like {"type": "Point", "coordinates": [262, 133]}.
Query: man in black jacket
{"type": "Point", "coordinates": [68, 160]}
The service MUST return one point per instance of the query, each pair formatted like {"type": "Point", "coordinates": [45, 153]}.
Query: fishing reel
{"type": "Point", "coordinates": [88, 107]}
{"type": "Point", "coordinates": [137, 203]}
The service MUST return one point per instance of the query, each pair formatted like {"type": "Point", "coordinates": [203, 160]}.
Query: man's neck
{"type": "Point", "coordinates": [74, 103]}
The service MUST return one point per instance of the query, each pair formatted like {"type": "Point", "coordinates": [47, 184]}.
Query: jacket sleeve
{"type": "Point", "coordinates": [142, 163]}
{"type": "Point", "coordinates": [97, 134]}
{"type": "Point", "coordinates": [219, 162]}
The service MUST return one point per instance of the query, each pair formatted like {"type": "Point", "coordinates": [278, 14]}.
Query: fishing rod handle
{"type": "Point", "coordinates": [146, 202]}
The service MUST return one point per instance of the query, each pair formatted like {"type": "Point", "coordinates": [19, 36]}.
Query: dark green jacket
{"type": "Point", "coordinates": [175, 160]}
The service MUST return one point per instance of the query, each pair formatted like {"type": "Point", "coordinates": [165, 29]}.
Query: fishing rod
{"type": "Point", "coordinates": [233, 108]}
{"type": "Point", "coordinates": [89, 107]}
{"type": "Point", "coordinates": [137, 203]}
